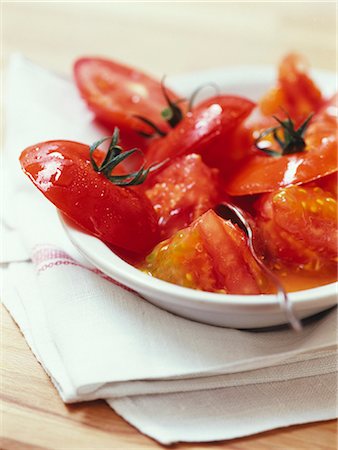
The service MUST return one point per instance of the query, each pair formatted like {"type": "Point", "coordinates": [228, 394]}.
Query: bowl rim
{"type": "Point", "coordinates": [112, 265]}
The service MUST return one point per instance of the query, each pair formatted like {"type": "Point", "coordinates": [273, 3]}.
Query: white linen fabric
{"type": "Point", "coordinates": [173, 379]}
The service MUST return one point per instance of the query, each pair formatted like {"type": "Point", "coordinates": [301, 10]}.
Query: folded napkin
{"type": "Point", "coordinates": [173, 379]}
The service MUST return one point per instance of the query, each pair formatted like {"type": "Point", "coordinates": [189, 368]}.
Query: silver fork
{"type": "Point", "coordinates": [237, 216]}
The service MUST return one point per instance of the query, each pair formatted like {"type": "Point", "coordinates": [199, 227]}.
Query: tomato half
{"type": "Point", "coordinates": [182, 192]}
{"type": "Point", "coordinates": [120, 216]}
{"type": "Point", "coordinates": [260, 173]}
{"type": "Point", "coordinates": [211, 254]}
{"type": "Point", "coordinates": [299, 226]}
{"type": "Point", "coordinates": [116, 93]}
{"type": "Point", "coordinates": [201, 129]}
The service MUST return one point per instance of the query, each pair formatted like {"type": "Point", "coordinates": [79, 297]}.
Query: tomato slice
{"type": "Point", "coordinates": [296, 92]}
{"type": "Point", "coordinates": [211, 255]}
{"type": "Point", "coordinates": [182, 192]}
{"type": "Point", "coordinates": [120, 216]}
{"type": "Point", "coordinates": [299, 226]}
{"type": "Point", "coordinates": [202, 128]}
{"type": "Point", "coordinates": [260, 173]}
{"type": "Point", "coordinates": [116, 93]}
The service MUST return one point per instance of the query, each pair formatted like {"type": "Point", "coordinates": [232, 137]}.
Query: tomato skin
{"type": "Point", "coordinates": [116, 92]}
{"type": "Point", "coordinates": [299, 226]}
{"type": "Point", "coordinates": [183, 191]}
{"type": "Point", "coordinates": [211, 254]}
{"type": "Point", "coordinates": [206, 124]}
{"type": "Point", "coordinates": [260, 173]}
{"type": "Point", "coordinates": [120, 216]}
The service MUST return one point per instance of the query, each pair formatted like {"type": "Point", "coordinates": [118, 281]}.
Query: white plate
{"type": "Point", "coordinates": [237, 311]}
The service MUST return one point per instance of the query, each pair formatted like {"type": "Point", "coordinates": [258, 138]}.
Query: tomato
{"type": "Point", "coordinates": [203, 130]}
{"type": "Point", "coordinates": [295, 92]}
{"type": "Point", "coordinates": [211, 254]}
{"type": "Point", "coordinates": [120, 216]}
{"type": "Point", "coordinates": [260, 173]}
{"type": "Point", "coordinates": [182, 192]}
{"type": "Point", "coordinates": [116, 93]}
{"type": "Point", "coordinates": [299, 226]}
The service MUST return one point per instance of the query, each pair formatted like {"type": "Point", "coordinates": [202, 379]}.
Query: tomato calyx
{"type": "Point", "coordinates": [289, 139]}
{"type": "Point", "coordinates": [156, 130]}
{"type": "Point", "coordinates": [114, 156]}
{"type": "Point", "coordinates": [198, 90]}
{"type": "Point", "coordinates": [173, 113]}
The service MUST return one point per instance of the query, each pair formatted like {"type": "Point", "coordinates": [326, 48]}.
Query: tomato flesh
{"type": "Point", "coordinates": [299, 227]}
{"type": "Point", "coordinates": [182, 192]}
{"type": "Point", "coordinates": [211, 254]}
{"type": "Point", "coordinates": [120, 216]}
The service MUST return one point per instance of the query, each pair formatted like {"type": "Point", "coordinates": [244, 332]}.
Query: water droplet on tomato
{"type": "Point", "coordinates": [327, 139]}
{"type": "Point", "coordinates": [135, 99]}
{"type": "Point", "coordinates": [214, 110]}
{"type": "Point", "coordinates": [53, 173]}
{"type": "Point", "coordinates": [201, 124]}
{"type": "Point", "coordinates": [291, 170]}
{"type": "Point", "coordinates": [199, 247]}
{"type": "Point", "coordinates": [57, 155]}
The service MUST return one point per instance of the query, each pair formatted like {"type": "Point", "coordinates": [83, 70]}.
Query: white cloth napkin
{"type": "Point", "coordinates": [173, 379]}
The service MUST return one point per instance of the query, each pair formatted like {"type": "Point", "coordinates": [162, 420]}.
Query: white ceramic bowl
{"type": "Point", "coordinates": [236, 311]}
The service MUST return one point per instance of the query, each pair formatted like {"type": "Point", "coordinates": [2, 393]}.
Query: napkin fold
{"type": "Point", "coordinates": [173, 379]}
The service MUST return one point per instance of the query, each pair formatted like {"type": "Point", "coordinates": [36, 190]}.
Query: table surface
{"type": "Point", "coordinates": [162, 38]}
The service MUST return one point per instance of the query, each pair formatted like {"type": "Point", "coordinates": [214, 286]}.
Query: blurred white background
{"type": "Point", "coordinates": [170, 37]}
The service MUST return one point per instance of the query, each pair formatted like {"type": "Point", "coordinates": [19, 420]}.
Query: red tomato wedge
{"type": "Point", "coordinates": [120, 216]}
{"type": "Point", "coordinates": [299, 226]}
{"type": "Point", "coordinates": [208, 122]}
{"type": "Point", "coordinates": [301, 93]}
{"type": "Point", "coordinates": [260, 173]}
{"type": "Point", "coordinates": [182, 192]}
{"type": "Point", "coordinates": [211, 254]}
{"type": "Point", "coordinates": [296, 92]}
{"type": "Point", "coordinates": [116, 93]}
